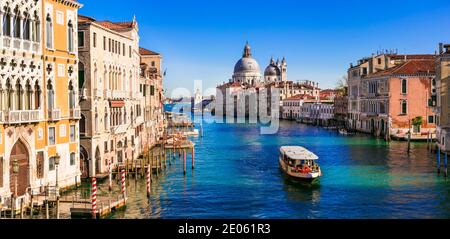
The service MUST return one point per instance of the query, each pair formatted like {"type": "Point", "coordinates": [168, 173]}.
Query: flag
{"type": "Point", "coordinates": [165, 71]}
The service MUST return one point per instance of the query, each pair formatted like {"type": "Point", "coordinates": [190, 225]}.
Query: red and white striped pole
{"type": "Point", "coordinates": [110, 174]}
{"type": "Point", "coordinates": [123, 182]}
{"type": "Point", "coordinates": [148, 181]}
{"type": "Point", "coordinates": [94, 197]}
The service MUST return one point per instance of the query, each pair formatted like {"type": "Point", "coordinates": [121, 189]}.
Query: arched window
{"type": "Point", "coordinates": [16, 24]}
{"type": "Point", "coordinates": [50, 95]}
{"type": "Point", "coordinates": [83, 125]}
{"type": "Point", "coordinates": [96, 121]}
{"type": "Point", "coordinates": [70, 36]}
{"type": "Point", "coordinates": [404, 107]}
{"type": "Point", "coordinates": [7, 22]}
{"type": "Point", "coordinates": [49, 32]}
{"type": "Point", "coordinates": [80, 75]}
{"type": "Point", "coordinates": [105, 122]}
{"type": "Point", "coordinates": [9, 95]}
{"type": "Point", "coordinates": [26, 27]}
{"type": "Point", "coordinates": [18, 96]}
{"type": "Point", "coordinates": [28, 96]}
{"type": "Point", "coordinates": [36, 25]}
{"type": "Point", "coordinates": [404, 86]}
{"type": "Point", "coordinates": [71, 96]}
{"type": "Point", "coordinates": [37, 96]}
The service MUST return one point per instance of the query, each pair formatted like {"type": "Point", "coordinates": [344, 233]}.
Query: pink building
{"type": "Point", "coordinates": [391, 99]}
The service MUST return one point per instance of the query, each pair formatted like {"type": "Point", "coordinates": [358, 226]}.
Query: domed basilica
{"type": "Point", "coordinates": [247, 71]}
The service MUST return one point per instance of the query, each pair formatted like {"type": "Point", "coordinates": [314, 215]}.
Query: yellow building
{"type": "Point", "coordinates": [38, 100]}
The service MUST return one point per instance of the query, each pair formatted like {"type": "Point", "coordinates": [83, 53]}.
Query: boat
{"type": "Point", "coordinates": [345, 132]}
{"type": "Point", "coordinates": [299, 163]}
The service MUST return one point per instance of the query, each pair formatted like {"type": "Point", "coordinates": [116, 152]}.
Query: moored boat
{"type": "Point", "coordinates": [299, 163]}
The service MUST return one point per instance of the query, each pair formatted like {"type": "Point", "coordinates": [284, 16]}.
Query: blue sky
{"type": "Point", "coordinates": [202, 39]}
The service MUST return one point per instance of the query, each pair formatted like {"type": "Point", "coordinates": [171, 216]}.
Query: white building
{"type": "Point", "coordinates": [109, 72]}
{"type": "Point", "coordinates": [292, 106]}
{"type": "Point", "coordinates": [319, 113]}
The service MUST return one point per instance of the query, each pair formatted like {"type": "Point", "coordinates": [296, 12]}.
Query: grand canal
{"type": "Point", "coordinates": [237, 176]}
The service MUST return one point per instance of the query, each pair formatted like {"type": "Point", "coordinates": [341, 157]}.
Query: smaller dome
{"type": "Point", "coordinates": [272, 70]}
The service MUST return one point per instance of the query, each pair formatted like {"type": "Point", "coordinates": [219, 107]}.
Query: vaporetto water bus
{"type": "Point", "coordinates": [299, 163]}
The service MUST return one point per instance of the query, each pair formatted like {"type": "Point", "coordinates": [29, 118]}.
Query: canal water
{"type": "Point", "coordinates": [237, 176]}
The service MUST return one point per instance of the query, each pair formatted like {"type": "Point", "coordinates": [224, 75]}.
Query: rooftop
{"type": "Point", "coordinates": [146, 52]}
{"type": "Point", "coordinates": [412, 67]}
{"type": "Point", "coordinates": [115, 26]}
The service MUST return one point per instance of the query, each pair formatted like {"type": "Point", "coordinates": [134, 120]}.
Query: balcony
{"type": "Point", "coordinates": [98, 93]}
{"type": "Point", "coordinates": [19, 44]}
{"type": "Point", "coordinates": [118, 94]}
{"type": "Point", "coordinates": [54, 114]}
{"type": "Point", "coordinates": [107, 94]}
{"type": "Point", "coordinates": [139, 120]}
{"type": "Point", "coordinates": [20, 116]}
{"type": "Point", "coordinates": [75, 113]}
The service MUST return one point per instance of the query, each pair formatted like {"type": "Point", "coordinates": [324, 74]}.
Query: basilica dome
{"type": "Point", "coordinates": [272, 69]}
{"type": "Point", "coordinates": [246, 64]}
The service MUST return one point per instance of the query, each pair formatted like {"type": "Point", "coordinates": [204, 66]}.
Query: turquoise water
{"type": "Point", "coordinates": [237, 176]}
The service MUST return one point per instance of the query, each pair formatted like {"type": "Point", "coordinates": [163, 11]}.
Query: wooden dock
{"type": "Point", "coordinates": [83, 208]}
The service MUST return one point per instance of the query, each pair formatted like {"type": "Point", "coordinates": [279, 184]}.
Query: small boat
{"type": "Point", "coordinates": [345, 132]}
{"type": "Point", "coordinates": [299, 163]}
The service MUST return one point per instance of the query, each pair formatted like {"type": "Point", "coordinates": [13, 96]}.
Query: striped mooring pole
{"type": "Point", "coordinates": [123, 182]}
{"type": "Point", "coordinates": [148, 181]}
{"type": "Point", "coordinates": [110, 174]}
{"type": "Point", "coordinates": [94, 197]}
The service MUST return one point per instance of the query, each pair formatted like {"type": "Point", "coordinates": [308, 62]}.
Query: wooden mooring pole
{"type": "Point", "coordinates": [438, 157]}
{"type": "Point", "coordinates": [409, 141]}
{"type": "Point", "coordinates": [445, 164]}
{"type": "Point", "coordinates": [193, 157]}
{"type": "Point", "coordinates": [184, 161]}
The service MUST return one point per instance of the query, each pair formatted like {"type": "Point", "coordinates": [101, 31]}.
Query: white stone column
{"type": "Point", "coordinates": [1, 26]}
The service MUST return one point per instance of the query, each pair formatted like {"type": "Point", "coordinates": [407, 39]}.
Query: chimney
{"type": "Point", "coordinates": [447, 48]}
{"type": "Point", "coordinates": [441, 48]}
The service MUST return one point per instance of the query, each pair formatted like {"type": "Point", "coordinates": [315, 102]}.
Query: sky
{"type": "Point", "coordinates": [203, 39]}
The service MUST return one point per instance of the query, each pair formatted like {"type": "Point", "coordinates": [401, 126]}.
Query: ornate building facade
{"type": "Point", "coordinates": [247, 83]}
{"type": "Point", "coordinates": [109, 71]}
{"type": "Point", "coordinates": [39, 111]}
{"type": "Point", "coordinates": [151, 87]}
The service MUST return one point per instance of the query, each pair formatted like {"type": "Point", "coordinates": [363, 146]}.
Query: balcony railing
{"type": "Point", "coordinates": [75, 113]}
{"type": "Point", "coordinates": [20, 116]}
{"type": "Point", "coordinates": [6, 42]}
{"type": "Point", "coordinates": [19, 44]}
{"type": "Point", "coordinates": [107, 94]}
{"type": "Point", "coordinates": [98, 93]}
{"type": "Point", "coordinates": [119, 94]}
{"type": "Point", "coordinates": [54, 114]}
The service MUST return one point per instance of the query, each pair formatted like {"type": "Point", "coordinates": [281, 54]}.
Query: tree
{"type": "Point", "coordinates": [342, 85]}
{"type": "Point", "coordinates": [417, 122]}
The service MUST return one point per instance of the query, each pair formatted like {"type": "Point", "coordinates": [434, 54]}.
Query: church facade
{"type": "Point", "coordinates": [247, 85]}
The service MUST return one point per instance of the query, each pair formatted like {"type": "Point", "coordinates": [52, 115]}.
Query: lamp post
{"type": "Point", "coordinates": [15, 172]}
{"type": "Point", "coordinates": [57, 158]}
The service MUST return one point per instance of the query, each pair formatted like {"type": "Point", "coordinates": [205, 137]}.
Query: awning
{"type": "Point", "coordinates": [116, 103]}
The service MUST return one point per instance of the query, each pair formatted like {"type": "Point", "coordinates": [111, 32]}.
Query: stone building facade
{"type": "Point", "coordinates": [111, 108]}
{"type": "Point", "coordinates": [151, 88]}
{"type": "Point", "coordinates": [39, 116]}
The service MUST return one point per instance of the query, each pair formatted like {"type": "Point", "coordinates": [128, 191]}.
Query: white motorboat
{"type": "Point", "coordinates": [299, 163]}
